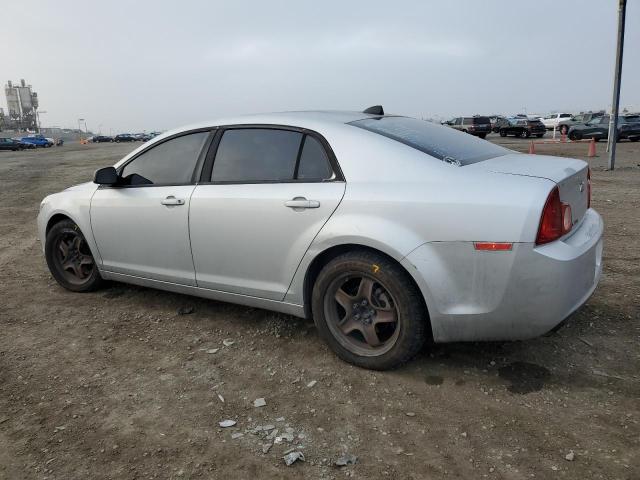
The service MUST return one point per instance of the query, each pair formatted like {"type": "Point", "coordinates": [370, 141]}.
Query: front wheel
{"type": "Point", "coordinates": [369, 311]}
{"type": "Point", "coordinates": [69, 258]}
{"type": "Point", "coordinates": [482, 135]}
{"type": "Point", "coordinates": [526, 133]}
{"type": "Point", "coordinates": [575, 136]}
{"type": "Point", "coordinates": [503, 133]}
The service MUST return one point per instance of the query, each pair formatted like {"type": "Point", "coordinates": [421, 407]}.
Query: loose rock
{"type": "Point", "coordinates": [291, 458]}
{"type": "Point", "coordinates": [570, 457]}
{"type": "Point", "coordinates": [227, 342]}
{"type": "Point", "coordinates": [346, 459]}
{"type": "Point", "coordinates": [259, 402]}
{"type": "Point", "coordinates": [311, 383]}
{"type": "Point", "coordinates": [185, 310]}
{"type": "Point", "coordinates": [227, 423]}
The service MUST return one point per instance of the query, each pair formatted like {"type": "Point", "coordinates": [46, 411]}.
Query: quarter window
{"type": "Point", "coordinates": [314, 164]}
{"type": "Point", "coordinates": [170, 163]}
{"type": "Point", "coordinates": [256, 155]}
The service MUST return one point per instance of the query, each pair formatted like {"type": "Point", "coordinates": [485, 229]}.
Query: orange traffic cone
{"type": "Point", "coordinates": [592, 148]}
{"type": "Point", "coordinates": [563, 137]}
{"type": "Point", "coordinates": [532, 148]}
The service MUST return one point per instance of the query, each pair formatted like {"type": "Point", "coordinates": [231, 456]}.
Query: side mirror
{"type": "Point", "coordinates": [105, 176]}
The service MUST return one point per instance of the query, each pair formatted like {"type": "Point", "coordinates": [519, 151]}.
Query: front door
{"type": "Point", "coordinates": [270, 192]}
{"type": "Point", "coordinates": [141, 227]}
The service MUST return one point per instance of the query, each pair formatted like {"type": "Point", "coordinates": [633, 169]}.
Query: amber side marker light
{"type": "Point", "coordinates": [493, 246]}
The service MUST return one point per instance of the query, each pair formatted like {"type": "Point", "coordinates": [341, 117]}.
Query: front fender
{"type": "Point", "coordinates": [74, 204]}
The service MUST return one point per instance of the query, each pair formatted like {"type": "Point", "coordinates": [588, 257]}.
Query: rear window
{"type": "Point", "coordinates": [443, 143]}
{"type": "Point", "coordinates": [481, 120]}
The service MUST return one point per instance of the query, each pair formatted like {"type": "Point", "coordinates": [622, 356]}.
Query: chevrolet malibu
{"type": "Point", "coordinates": [386, 230]}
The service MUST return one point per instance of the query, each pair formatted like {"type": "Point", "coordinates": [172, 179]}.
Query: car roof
{"type": "Point", "coordinates": [302, 119]}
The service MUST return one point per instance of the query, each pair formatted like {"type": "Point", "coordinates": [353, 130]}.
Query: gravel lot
{"type": "Point", "coordinates": [119, 384]}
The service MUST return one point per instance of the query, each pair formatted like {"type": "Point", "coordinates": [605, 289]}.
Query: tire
{"type": "Point", "coordinates": [82, 274]}
{"type": "Point", "coordinates": [356, 277]}
{"type": "Point", "coordinates": [634, 139]}
{"type": "Point", "coordinates": [564, 129]}
{"type": "Point", "coordinates": [526, 133]}
{"type": "Point", "coordinates": [518, 134]}
{"type": "Point", "coordinates": [482, 135]}
{"type": "Point", "coordinates": [503, 133]}
{"type": "Point", "coordinates": [540, 135]}
{"type": "Point", "coordinates": [575, 136]}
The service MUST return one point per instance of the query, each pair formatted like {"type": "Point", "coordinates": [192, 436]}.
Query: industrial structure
{"type": "Point", "coordinates": [22, 108]}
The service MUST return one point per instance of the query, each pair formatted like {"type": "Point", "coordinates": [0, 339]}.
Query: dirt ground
{"type": "Point", "coordinates": [117, 384]}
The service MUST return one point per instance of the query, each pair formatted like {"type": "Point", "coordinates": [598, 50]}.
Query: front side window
{"type": "Point", "coordinates": [169, 163]}
{"type": "Point", "coordinates": [256, 155]}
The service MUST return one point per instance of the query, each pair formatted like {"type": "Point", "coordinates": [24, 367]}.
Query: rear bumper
{"type": "Point", "coordinates": [515, 295]}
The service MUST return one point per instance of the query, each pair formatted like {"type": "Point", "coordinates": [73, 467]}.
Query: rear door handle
{"type": "Point", "coordinates": [301, 202]}
{"type": "Point", "coordinates": [171, 200]}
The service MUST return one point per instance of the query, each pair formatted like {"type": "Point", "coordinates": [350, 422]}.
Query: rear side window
{"type": "Point", "coordinates": [481, 120]}
{"type": "Point", "coordinates": [256, 155]}
{"type": "Point", "coordinates": [565, 115]}
{"type": "Point", "coordinates": [443, 143]}
{"type": "Point", "coordinates": [314, 164]}
{"type": "Point", "coordinates": [169, 163]}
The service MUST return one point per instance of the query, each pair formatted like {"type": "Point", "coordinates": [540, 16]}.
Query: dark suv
{"type": "Point", "coordinates": [124, 137]}
{"type": "Point", "coordinates": [476, 125]}
{"type": "Point", "coordinates": [598, 128]}
{"type": "Point", "coordinates": [523, 127]}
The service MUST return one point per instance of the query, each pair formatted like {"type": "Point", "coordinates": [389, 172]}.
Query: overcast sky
{"type": "Point", "coordinates": [147, 65]}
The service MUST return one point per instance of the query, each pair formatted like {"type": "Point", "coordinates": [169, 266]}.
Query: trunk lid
{"type": "Point", "coordinates": [569, 174]}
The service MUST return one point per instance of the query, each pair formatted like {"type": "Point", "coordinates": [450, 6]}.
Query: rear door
{"type": "Point", "coordinates": [141, 227]}
{"type": "Point", "coordinates": [264, 195]}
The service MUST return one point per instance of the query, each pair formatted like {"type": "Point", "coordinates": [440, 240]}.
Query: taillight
{"type": "Point", "coordinates": [589, 188]}
{"type": "Point", "coordinates": [556, 219]}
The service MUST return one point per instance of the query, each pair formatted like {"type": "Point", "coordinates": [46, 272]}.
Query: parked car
{"type": "Point", "coordinates": [521, 127]}
{"type": "Point", "coordinates": [598, 128]}
{"type": "Point", "coordinates": [477, 125]}
{"type": "Point", "coordinates": [552, 121]}
{"type": "Point", "coordinates": [101, 139]}
{"type": "Point", "coordinates": [579, 119]}
{"type": "Point", "coordinates": [25, 145]}
{"type": "Point", "coordinates": [37, 140]}
{"type": "Point", "coordinates": [497, 122]}
{"type": "Point", "coordinates": [10, 144]}
{"type": "Point", "coordinates": [438, 234]}
{"type": "Point", "coordinates": [124, 137]}
{"type": "Point", "coordinates": [142, 137]}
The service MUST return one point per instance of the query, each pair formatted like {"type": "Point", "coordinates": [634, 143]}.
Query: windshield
{"type": "Point", "coordinates": [440, 142]}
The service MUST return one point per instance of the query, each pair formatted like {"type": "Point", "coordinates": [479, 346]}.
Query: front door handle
{"type": "Point", "coordinates": [171, 200]}
{"type": "Point", "coordinates": [301, 202]}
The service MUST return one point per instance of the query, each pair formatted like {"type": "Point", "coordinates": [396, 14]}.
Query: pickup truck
{"type": "Point", "coordinates": [552, 121]}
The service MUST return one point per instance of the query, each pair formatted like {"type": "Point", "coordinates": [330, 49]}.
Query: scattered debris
{"type": "Point", "coordinates": [237, 435]}
{"type": "Point", "coordinates": [227, 423]}
{"type": "Point", "coordinates": [213, 350]}
{"type": "Point", "coordinates": [311, 383]}
{"type": "Point", "coordinates": [463, 434]}
{"type": "Point", "coordinates": [266, 447]}
{"type": "Point", "coordinates": [227, 342]}
{"type": "Point", "coordinates": [221, 398]}
{"type": "Point", "coordinates": [185, 310]}
{"type": "Point", "coordinates": [292, 457]}
{"type": "Point", "coordinates": [586, 342]}
{"type": "Point", "coordinates": [346, 459]}
{"type": "Point", "coordinates": [410, 414]}
{"type": "Point", "coordinates": [570, 457]}
{"type": "Point", "coordinates": [259, 402]}
{"type": "Point", "coordinates": [280, 419]}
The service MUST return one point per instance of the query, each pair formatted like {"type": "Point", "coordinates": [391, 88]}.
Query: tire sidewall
{"type": "Point", "coordinates": [67, 226]}
{"type": "Point", "coordinates": [411, 313]}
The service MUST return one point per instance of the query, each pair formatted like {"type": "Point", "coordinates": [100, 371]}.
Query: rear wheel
{"type": "Point", "coordinates": [575, 136]}
{"type": "Point", "coordinates": [369, 311]}
{"type": "Point", "coordinates": [503, 133]}
{"type": "Point", "coordinates": [69, 258]}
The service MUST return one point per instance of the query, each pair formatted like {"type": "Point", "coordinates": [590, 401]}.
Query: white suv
{"type": "Point", "coordinates": [551, 121]}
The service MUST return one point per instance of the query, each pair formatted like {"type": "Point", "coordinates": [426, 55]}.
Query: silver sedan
{"type": "Point", "coordinates": [388, 231]}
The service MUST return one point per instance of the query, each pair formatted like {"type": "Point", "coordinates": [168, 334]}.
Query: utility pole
{"type": "Point", "coordinates": [615, 104]}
